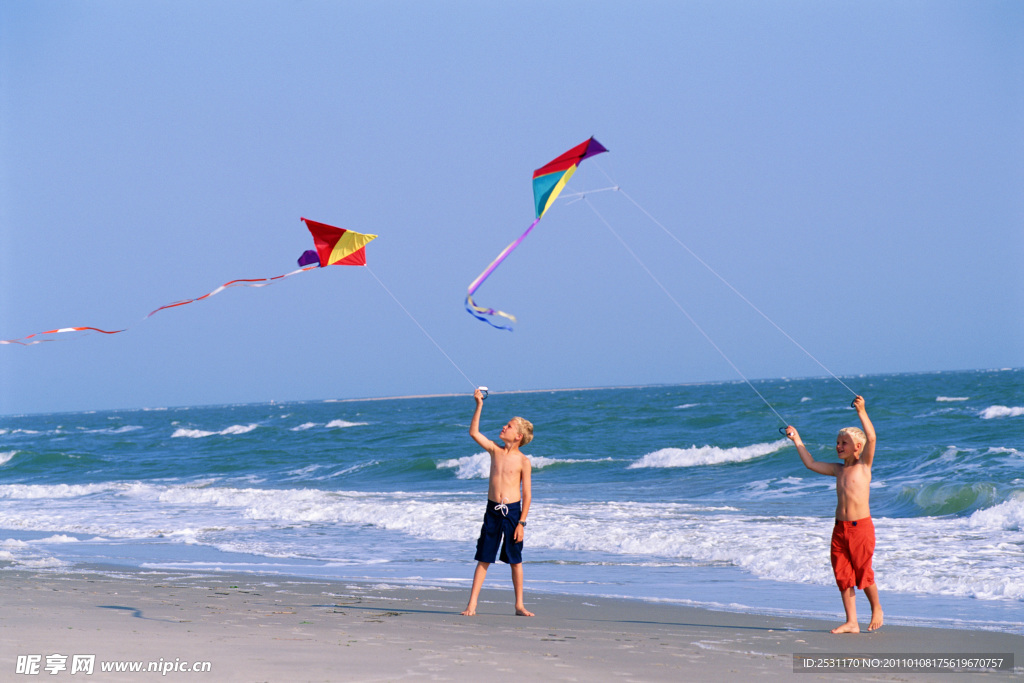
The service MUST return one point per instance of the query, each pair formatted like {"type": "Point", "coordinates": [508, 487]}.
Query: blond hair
{"type": "Point", "coordinates": [525, 429]}
{"type": "Point", "coordinates": [856, 434]}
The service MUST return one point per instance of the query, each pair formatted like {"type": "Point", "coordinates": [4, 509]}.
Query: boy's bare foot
{"type": "Point", "coordinates": [523, 612]}
{"type": "Point", "coordinates": [876, 619]}
{"type": "Point", "coordinates": [848, 627]}
{"type": "Point", "coordinates": [469, 612]}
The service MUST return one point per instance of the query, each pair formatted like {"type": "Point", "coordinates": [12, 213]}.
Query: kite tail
{"type": "Point", "coordinates": [477, 311]}
{"type": "Point", "coordinates": [256, 282]}
{"type": "Point", "coordinates": [22, 342]}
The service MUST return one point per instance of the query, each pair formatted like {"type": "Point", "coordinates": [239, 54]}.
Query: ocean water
{"type": "Point", "coordinates": [672, 493]}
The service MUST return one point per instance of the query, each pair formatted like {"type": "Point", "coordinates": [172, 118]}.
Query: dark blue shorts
{"type": "Point", "coordinates": [499, 529]}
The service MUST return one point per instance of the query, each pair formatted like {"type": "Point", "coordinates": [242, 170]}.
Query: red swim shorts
{"type": "Point", "coordinates": [853, 545]}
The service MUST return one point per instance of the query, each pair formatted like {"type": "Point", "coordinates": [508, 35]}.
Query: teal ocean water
{"type": "Point", "coordinates": [674, 493]}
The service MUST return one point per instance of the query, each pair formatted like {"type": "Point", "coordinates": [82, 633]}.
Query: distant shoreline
{"type": "Point", "coordinates": [512, 391]}
{"type": "Point", "coordinates": [652, 386]}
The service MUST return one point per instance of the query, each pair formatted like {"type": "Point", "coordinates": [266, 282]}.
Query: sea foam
{"type": "Point", "coordinates": [45, 491]}
{"type": "Point", "coordinates": [200, 433]}
{"type": "Point", "coordinates": [341, 424]}
{"type": "Point", "coordinates": [479, 466]}
{"type": "Point", "coordinates": [1008, 516]}
{"type": "Point", "coordinates": [58, 538]}
{"type": "Point", "coordinates": [932, 555]}
{"type": "Point", "coordinates": [1001, 411]}
{"type": "Point", "coordinates": [707, 455]}
{"type": "Point", "coordinates": [112, 430]}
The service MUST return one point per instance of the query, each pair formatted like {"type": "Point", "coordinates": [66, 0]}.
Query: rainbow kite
{"type": "Point", "coordinates": [548, 182]}
{"type": "Point", "coordinates": [334, 247]}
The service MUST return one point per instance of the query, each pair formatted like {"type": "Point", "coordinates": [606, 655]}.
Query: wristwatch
{"type": "Point", "coordinates": [522, 522]}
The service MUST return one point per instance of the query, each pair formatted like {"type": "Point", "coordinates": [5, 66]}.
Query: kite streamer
{"type": "Point", "coordinates": [548, 182]}
{"type": "Point", "coordinates": [22, 341]}
{"type": "Point", "coordinates": [258, 282]}
{"type": "Point", "coordinates": [334, 247]}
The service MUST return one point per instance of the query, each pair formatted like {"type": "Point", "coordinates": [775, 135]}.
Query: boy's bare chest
{"type": "Point", "coordinates": [853, 478]}
{"type": "Point", "coordinates": [505, 465]}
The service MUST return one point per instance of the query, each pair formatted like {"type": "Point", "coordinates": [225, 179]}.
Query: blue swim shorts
{"type": "Point", "coordinates": [499, 528]}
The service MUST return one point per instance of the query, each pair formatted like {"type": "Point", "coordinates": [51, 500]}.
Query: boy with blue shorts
{"type": "Point", "coordinates": [508, 503]}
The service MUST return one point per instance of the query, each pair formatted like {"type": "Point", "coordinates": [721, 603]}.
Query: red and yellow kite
{"type": "Point", "coordinates": [334, 247]}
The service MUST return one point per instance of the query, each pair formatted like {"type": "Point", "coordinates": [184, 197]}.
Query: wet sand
{"type": "Point", "coordinates": [272, 628]}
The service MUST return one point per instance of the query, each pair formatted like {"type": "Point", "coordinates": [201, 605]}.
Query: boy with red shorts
{"type": "Point", "coordinates": [853, 537]}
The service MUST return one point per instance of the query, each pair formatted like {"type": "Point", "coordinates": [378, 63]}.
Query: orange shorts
{"type": "Point", "coordinates": [853, 545]}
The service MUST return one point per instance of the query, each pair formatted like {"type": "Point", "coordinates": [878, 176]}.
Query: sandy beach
{"type": "Point", "coordinates": [239, 627]}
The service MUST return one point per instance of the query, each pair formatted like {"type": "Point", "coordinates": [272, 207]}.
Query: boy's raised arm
{"type": "Point", "coordinates": [805, 456]}
{"type": "Point", "coordinates": [474, 425]}
{"type": "Point", "coordinates": [867, 456]}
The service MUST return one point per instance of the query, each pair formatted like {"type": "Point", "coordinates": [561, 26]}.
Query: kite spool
{"type": "Point", "coordinates": [483, 391]}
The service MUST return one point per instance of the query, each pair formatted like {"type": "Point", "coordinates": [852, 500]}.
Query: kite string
{"type": "Point", "coordinates": [579, 196]}
{"type": "Point", "coordinates": [422, 329]}
{"type": "Point", "coordinates": [735, 291]}
{"type": "Point", "coordinates": [682, 310]}
{"type": "Point", "coordinates": [722, 279]}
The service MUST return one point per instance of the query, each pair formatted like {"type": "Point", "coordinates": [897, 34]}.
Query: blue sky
{"type": "Point", "coordinates": [853, 168]}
